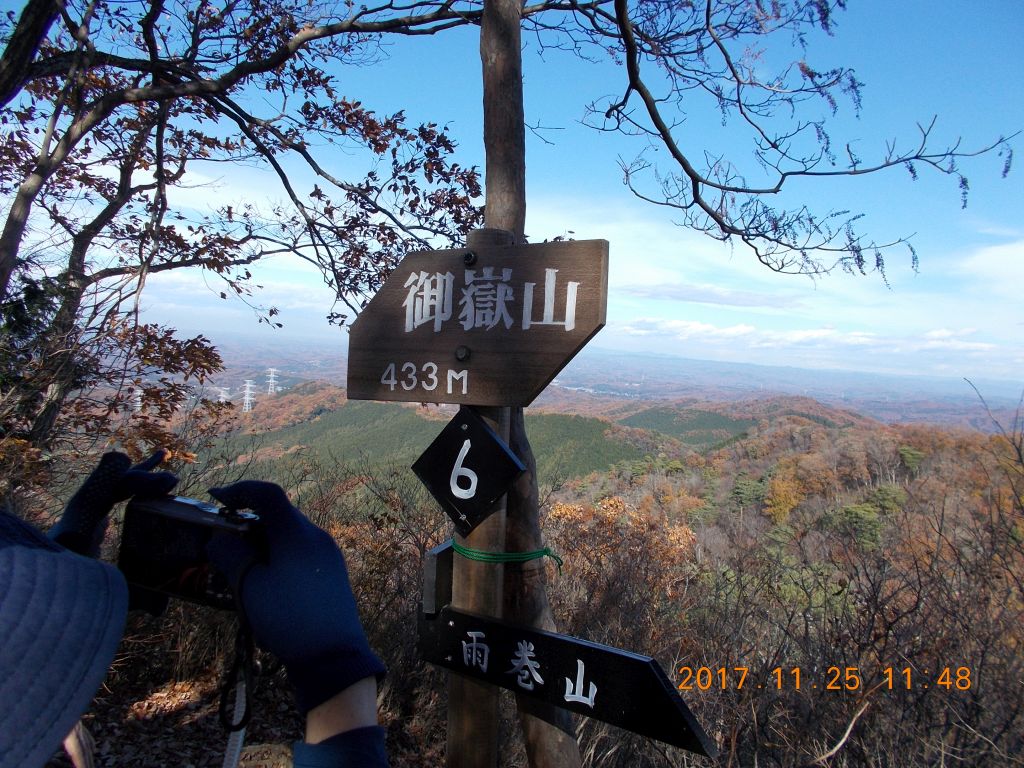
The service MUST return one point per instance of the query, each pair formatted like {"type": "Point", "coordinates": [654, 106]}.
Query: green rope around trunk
{"type": "Point", "coordinates": [505, 557]}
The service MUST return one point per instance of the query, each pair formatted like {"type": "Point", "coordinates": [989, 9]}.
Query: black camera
{"type": "Point", "coordinates": [163, 547]}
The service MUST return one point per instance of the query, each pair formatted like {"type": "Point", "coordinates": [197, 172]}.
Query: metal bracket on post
{"type": "Point", "coordinates": [437, 579]}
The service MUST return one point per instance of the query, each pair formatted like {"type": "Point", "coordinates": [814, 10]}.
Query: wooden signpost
{"type": "Point", "coordinates": [488, 326]}
{"type": "Point", "coordinates": [492, 326]}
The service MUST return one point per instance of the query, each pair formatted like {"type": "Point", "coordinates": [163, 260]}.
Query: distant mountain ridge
{"type": "Point", "coordinates": [316, 418]}
{"type": "Point", "coordinates": [612, 384]}
{"type": "Point", "coordinates": [887, 398]}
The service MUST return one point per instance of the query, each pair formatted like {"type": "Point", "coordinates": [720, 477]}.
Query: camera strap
{"type": "Point", "coordinates": [239, 679]}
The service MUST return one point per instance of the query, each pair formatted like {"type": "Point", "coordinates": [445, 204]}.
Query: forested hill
{"type": "Point", "coordinates": [834, 558]}
{"type": "Point", "coordinates": [316, 418]}
{"type": "Point", "coordinates": [602, 383]}
{"type": "Point", "coordinates": [800, 571]}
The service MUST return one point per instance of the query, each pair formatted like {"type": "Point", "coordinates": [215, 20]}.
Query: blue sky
{"type": "Point", "coordinates": [673, 291]}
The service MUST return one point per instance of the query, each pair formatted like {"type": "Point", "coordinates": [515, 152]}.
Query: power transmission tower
{"type": "Point", "coordinates": [223, 397]}
{"type": "Point", "coordinates": [271, 380]}
{"type": "Point", "coordinates": [247, 396]}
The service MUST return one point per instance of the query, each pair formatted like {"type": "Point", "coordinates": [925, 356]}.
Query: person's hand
{"type": "Point", "coordinates": [84, 522]}
{"type": "Point", "coordinates": [295, 591]}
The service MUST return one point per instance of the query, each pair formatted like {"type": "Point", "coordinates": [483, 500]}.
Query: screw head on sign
{"type": "Point", "coordinates": [469, 258]}
{"type": "Point", "coordinates": [462, 353]}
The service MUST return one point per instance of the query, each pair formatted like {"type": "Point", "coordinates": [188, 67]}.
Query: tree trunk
{"type": "Point", "coordinates": [14, 228]}
{"type": "Point", "coordinates": [473, 715]}
{"type": "Point", "coordinates": [547, 730]}
{"type": "Point", "coordinates": [33, 24]}
{"type": "Point", "coordinates": [472, 707]}
{"type": "Point", "coordinates": [504, 121]}
{"type": "Point", "coordinates": [60, 342]}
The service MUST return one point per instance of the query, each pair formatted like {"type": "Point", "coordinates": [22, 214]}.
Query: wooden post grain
{"type": "Point", "coordinates": [548, 731]}
{"type": "Point", "coordinates": [478, 588]}
{"type": "Point", "coordinates": [504, 120]}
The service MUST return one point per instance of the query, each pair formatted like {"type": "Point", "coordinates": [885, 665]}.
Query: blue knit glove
{"type": "Point", "coordinates": [84, 523]}
{"type": "Point", "coordinates": [359, 748]}
{"type": "Point", "coordinates": [296, 594]}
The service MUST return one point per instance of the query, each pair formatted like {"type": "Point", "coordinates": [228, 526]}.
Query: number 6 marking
{"type": "Point", "coordinates": [460, 471]}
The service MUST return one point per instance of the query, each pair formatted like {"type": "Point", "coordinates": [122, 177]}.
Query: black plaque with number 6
{"type": "Point", "coordinates": [467, 469]}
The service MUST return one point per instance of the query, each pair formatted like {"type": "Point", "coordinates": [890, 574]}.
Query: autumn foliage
{"type": "Point", "coordinates": [852, 591]}
{"type": "Point", "coordinates": [877, 622]}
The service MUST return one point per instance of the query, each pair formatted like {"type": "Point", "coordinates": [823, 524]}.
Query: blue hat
{"type": "Point", "coordinates": [61, 618]}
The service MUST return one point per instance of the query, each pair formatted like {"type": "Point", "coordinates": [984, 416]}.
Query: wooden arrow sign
{"type": "Point", "coordinates": [490, 326]}
{"type": "Point", "coordinates": [618, 687]}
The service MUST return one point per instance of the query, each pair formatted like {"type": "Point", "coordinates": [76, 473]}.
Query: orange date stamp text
{"type": "Point", "coordinates": [834, 678]}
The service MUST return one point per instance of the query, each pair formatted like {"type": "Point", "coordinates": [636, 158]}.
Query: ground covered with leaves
{"type": "Point", "coordinates": [156, 709]}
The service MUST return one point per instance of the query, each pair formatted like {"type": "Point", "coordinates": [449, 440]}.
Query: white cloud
{"type": "Point", "coordinates": [939, 351]}
{"type": "Point", "coordinates": [670, 288]}
{"type": "Point", "coordinates": [945, 338]}
{"type": "Point", "coordinates": [1000, 230]}
{"type": "Point", "coordinates": [685, 330]}
{"type": "Point", "coordinates": [997, 270]}
{"type": "Point", "coordinates": [940, 333]}
{"type": "Point", "coordinates": [959, 345]}
{"type": "Point", "coordinates": [710, 294]}
{"type": "Point", "coordinates": [673, 290]}
{"type": "Point", "coordinates": [190, 298]}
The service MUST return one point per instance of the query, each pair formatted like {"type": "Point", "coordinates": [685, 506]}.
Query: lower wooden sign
{"type": "Point", "coordinates": [618, 687]}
